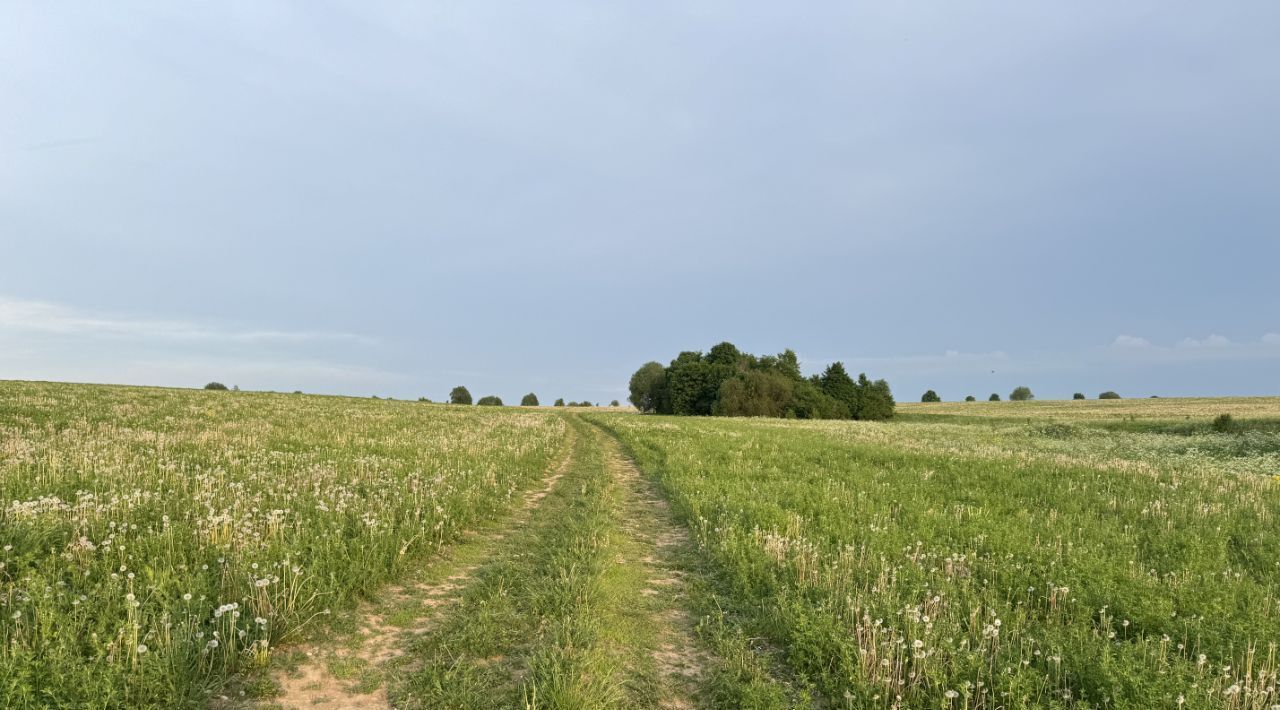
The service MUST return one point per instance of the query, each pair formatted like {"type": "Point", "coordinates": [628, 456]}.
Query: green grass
{"type": "Point", "coordinates": [1044, 554]}
{"type": "Point", "coordinates": [1007, 564]}
{"type": "Point", "coordinates": [131, 515]}
{"type": "Point", "coordinates": [545, 624]}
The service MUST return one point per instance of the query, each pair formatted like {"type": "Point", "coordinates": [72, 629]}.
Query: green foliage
{"type": "Point", "coordinates": [459, 395]}
{"type": "Point", "coordinates": [1109, 395]}
{"type": "Point", "coordinates": [930, 396]}
{"type": "Point", "coordinates": [836, 384]}
{"type": "Point", "coordinates": [970, 398]}
{"type": "Point", "coordinates": [559, 402]}
{"type": "Point", "coordinates": [529, 400]}
{"type": "Point", "coordinates": [755, 394]}
{"type": "Point", "coordinates": [424, 399]}
{"type": "Point", "coordinates": [615, 403]}
{"type": "Point", "coordinates": [649, 388]}
{"type": "Point", "coordinates": [1226, 424]}
{"type": "Point", "coordinates": [490, 401]}
{"type": "Point", "coordinates": [1078, 395]}
{"type": "Point", "coordinates": [994, 397]}
{"type": "Point", "coordinates": [1021, 393]}
{"type": "Point", "coordinates": [216, 386]}
{"type": "Point", "coordinates": [876, 400]}
{"type": "Point", "coordinates": [729, 382]}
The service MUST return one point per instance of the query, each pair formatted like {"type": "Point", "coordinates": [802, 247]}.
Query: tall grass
{"type": "Point", "coordinates": [922, 564]}
{"type": "Point", "coordinates": [154, 541]}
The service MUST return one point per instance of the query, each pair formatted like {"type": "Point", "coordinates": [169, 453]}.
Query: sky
{"type": "Point", "coordinates": [392, 198]}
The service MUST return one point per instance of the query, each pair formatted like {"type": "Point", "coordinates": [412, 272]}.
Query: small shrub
{"type": "Point", "coordinates": [1108, 395]}
{"type": "Point", "coordinates": [930, 396]}
{"type": "Point", "coordinates": [489, 400]}
{"type": "Point", "coordinates": [970, 398]}
{"type": "Point", "coordinates": [216, 386]}
{"type": "Point", "coordinates": [1226, 424]}
{"type": "Point", "coordinates": [614, 403]}
{"type": "Point", "coordinates": [424, 399]}
{"type": "Point", "coordinates": [1058, 431]}
{"type": "Point", "coordinates": [1078, 395]}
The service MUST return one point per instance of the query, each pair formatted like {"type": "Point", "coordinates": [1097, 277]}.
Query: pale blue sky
{"type": "Point", "coordinates": [394, 198]}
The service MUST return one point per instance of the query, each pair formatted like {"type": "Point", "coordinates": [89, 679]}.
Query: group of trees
{"type": "Point", "coordinates": [728, 382]}
{"type": "Point", "coordinates": [461, 395]}
{"type": "Point", "coordinates": [1019, 394]}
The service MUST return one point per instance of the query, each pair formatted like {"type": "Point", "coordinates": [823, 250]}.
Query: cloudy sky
{"type": "Point", "coordinates": [393, 198]}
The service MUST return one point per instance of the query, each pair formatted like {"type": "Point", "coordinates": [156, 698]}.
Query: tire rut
{"type": "Point", "coordinates": [352, 672]}
{"type": "Point", "coordinates": [677, 656]}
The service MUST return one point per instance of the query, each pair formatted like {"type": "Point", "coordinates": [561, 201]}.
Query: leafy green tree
{"type": "Point", "coordinates": [994, 397]}
{"type": "Point", "coordinates": [1021, 393]}
{"type": "Point", "coordinates": [614, 403]}
{"type": "Point", "coordinates": [970, 398]}
{"type": "Point", "coordinates": [649, 387]}
{"type": "Point", "coordinates": [724, 354]}
{"type": "Point", "coordinates": [930, 396]}
{"type": "Point", "coordinates": [559, 402]}
{"type": "Point", "coordinates": [810, 402]}
{"type": "Point", "coordinates": [424, 399]}
{"type": "Point", "coordinates": [529, 400]}
{"type": "Point", "coordinates": [836, 383]}
{"type": "Point", "coordinates": [1078, 395]}
{"type": "Point", "coordinates": [459, 395]}
{"type": "Point", "coordinates": [757, 393]}
{"type": "Point", "coordinates": [694, 383]}
{"type": "Point", "coordinates": [1109, 395]}
{"type": "Point", "coordinates": [489, 400]}
{"type": "Point", "coordinates": [216, 386]}
{"type": "Point", "coordinates": [875, 398]}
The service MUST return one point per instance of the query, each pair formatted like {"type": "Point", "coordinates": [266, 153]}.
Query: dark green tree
{"type": "Point", "coordinates": [875, 398]}
{"type": "Point", "coordinates": [559, 402]}
{"type": "Point", "coordinates": [756, 393]}
{"type": "Point", "coordinates": [994, 397]}
{"type": "Point", "coordinates": [1021, 393]}
{"type": "Point", "coordinates": [836, 383]}
{"type": "Point", "coordinates": [693, 384]}
{"type": "Point", "coordinates": [1078, 395]}
{"type": "Point", "coordinates": [489, 400]}
{"type": "Point", "coordinates": [649, 387]}
{"type": "Point", "coordinates": [810, 402]}
{"type": "Point", "coordinates": [529, 400]}
{"type": "Point", "coordinates": [216, 386]}
{"type": "Point", "coordinates": [459, 395]}
{"type": "Point", "coordinates": [970, 398]}
{"type": "Point", "coordinates": [724, 354]}
{"type": "Point", "coordinates": [615, 403]}
{"type": "Point", "coordinates": [1109, 395]}
{"type": "Point", "coordinates": [930, 396]}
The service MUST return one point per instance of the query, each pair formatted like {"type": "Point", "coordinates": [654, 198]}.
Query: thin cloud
{"type": "Point", "coordinates": [21, 315]}
{"type": "Point", "coordinates": [1213, 341]}
{"type": "Point", "coordinates": [1130, 342]}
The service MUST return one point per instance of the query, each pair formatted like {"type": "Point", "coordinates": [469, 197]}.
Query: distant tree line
{"type": "Point", "coordinates": [1019, 394]}
{"type": "Point", "coordinates": [730, 383]}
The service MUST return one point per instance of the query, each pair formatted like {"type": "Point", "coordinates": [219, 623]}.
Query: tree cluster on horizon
{"type": "Point", "coordinates": [731, 383]}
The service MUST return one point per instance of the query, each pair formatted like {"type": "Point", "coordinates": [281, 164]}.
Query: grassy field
{"type": "Point", "coordinates": [156, 541]}
{"type": "Point", "coordinates": [995, 554]}
{"type": "Point", "coordinates": [177, 548]}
